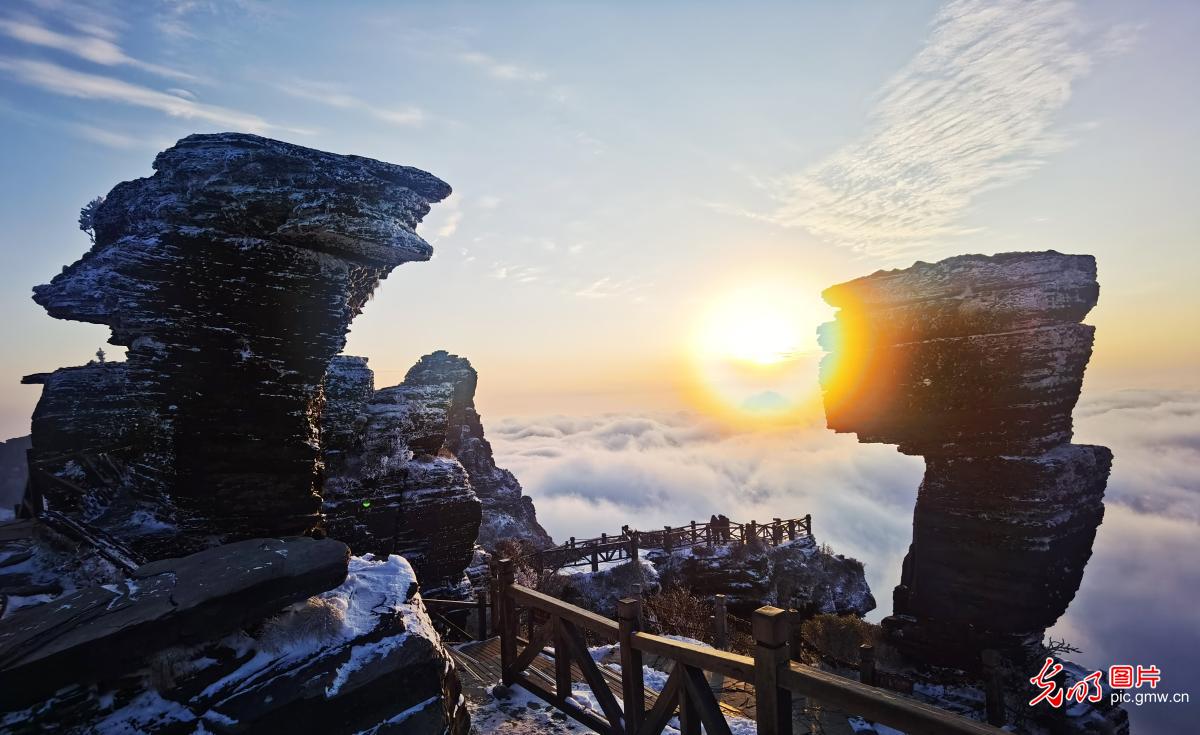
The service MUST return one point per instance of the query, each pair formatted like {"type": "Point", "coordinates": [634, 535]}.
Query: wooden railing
{"type": "Point", "coordinates": [456, 615]}
{"type": "Point", "coordinates": [772, 674]}
{"type": "Point", "coordinates": [626, 544]}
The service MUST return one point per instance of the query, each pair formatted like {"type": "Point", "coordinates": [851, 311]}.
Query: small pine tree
{"type": "Point", "coordinates": [100, 355]}
{"type": "Point", "coordinates": [87, 217]}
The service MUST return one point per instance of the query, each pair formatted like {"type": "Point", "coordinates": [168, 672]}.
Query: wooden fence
{"type": "Point", "coordinates": [686, 694]}
{"type": "Point", "coordinates": [628, 542]}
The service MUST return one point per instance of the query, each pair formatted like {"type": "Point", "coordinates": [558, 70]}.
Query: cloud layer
{"type": "Point", "coordinates": [592, 474]}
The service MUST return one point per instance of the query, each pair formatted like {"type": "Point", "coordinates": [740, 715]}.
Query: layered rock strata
{"type": "Point", "coordinates": [262, 635]}
{"type": "Point", "coordinates": [410, 472]}
{"type": "Point", "coordinates": [508, 514]}
{"type": "Point", "coordinates": [976, 363]}
{"type": "Point", "coordinates": [391, 487]}
{"type": "Point", "coordinates": [231, 276]}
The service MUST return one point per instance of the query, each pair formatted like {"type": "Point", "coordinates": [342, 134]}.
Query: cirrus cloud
{"type": "Point", "coordinates": [974, 110]}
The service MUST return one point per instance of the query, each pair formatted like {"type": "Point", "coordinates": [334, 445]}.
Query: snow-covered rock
{"type": "Point", "coordinates": [408, 469]}
{"type": "Point", "coordinates": [231, 275]}
{"type": "Point", "coordinates": [361, 656]}
{"type": "Point", "coordinates": [507, 512]}
{"type": "Point", "coordinates": [795, 574]}
{"type": "Point", "coordinates": [390, 483]}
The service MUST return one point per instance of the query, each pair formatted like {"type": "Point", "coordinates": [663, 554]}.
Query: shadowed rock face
{"type": "Point", "coordinates": [409, 472]}
{"type": "Point", "coordinates": [231, 275]}
{"type": "Point", "coordinates": [262, 635]}
{"type": "Point", "coordinates": [507, 513]}
{"type": "Point", "coordinates": [976, 363]}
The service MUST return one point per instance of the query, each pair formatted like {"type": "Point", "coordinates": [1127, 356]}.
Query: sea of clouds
{"type": "Point", "coordinates": [1140, 596]}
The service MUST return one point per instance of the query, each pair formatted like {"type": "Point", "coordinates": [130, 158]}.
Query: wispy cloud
{"type": "Point", "coordinates": [107, 138]}
{"type": "Point", "coordinates": [518, 273]}
{"type": "Point", "coordinates": [70, 83]}
{"type": "Point", "coordinates": [505, 70]}
{"type": "Point", "coordinates": [334, 95]}
{"type": "Point", "coordinates": [972, 111]}
{"type": "Point", "coordinates": [608, 287]}
{"type": "Point", "coordinates": [450, 226]}
{"type": "Point", "coordinates": [97, 47]}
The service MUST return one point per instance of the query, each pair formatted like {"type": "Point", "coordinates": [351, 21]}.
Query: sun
{"type": "Point", "coordinates": [749, 327]}
{"type": "Point", "coordinates": [754, 353]}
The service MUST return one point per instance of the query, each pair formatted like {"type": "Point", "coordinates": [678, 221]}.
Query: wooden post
{"type": "Point", "coordinates": [694, 536]}
{"type": "Point", "coordinates": [808, 523]}
{"type": "Point", "coordinates": [791, 529]}
{"type": "Point", "coordinates": [751, 532]}
{"type": "Point", "coordinates": [774, 703]}
{"type": "Point", "coordinates": [481, 603]}
{"type": "Point", "coordinates": [595, 559]}
{"type": "Point", "coordinates": [993, 683]}
{"type": "Point", "coordinates": [689, 713]}
{"type": "Point", "coordinates": [494, 596]}
{"type": "Point", "coordinates": [866, 664]}
{"type": "Point", "coordinates": [795, 637]}
{"type": "Point", "coordinates": [633, 549]}
{"type": "Point", "coordinates": [562, 661]}
{"type": "Point", "coordinates": [720, 623]}
{"type": "Point", "coordinates": [667, 538]}
{"type": "Point", "coordinates": [508, 620]}
{"type": "Point", "coordinates": [633, 688]}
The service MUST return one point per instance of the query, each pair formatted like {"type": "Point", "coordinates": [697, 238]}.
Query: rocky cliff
{"type": "Point", "coordinates": [976, 363]}
{"type": "Point", "coordinates": [797, 575]}
{"type": "Point", "coordinates": [264, 635]}
{"type": "Point", "coordinates": [390, 487]}
{"type": "Point", "coordinates": [407, 468]}
{"type": "Point", "coordinates": [231, 275]}
{"type": "Point", "coordinates": [507, 512]}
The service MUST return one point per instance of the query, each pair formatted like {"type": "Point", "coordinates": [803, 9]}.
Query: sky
{"type": "Point", "coordinates": [620, 168]}
{"type": "Point", "coordinates": [644, 190]}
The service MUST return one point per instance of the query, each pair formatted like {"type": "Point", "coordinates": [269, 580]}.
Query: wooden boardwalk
{"type": "Point", "coordinates": [626, 544]}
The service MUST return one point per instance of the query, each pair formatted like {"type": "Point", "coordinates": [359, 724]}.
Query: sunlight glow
{"type": "Point", "coordinates": [754, 352]}
{"type": "Point", "coordinates": [752, 328]}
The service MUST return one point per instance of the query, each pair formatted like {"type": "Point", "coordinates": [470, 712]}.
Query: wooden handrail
{"type": "Point", "coordinates": [583, 618]}
{"type": "Point", "coordinates": [619, 546]}
{"type": "Point", "coordinates": [880, 705]}
{"type": "Point", "coordinates": [732, 665]}
{"type": "Point", "coordinates": [768, 668]}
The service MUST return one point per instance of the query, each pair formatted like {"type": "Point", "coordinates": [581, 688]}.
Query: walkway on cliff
{"type": "Point", "coordinates": [627, 543]}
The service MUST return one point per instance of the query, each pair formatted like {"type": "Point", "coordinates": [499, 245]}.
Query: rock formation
{"type": "Point", "coordinates": [407, 467]}
{"type": "Point", "coordinates": [390, 487]}
{"type": "Point", "coordinates": [507, 512]}
{"type": "Point", "coordinates": [14, 472]}
{"type": "Point", "coordinates": [231, 275]}
{"type": "Point", "coordinates": [976, 363]}
{"type": "Point", "coordinates": [794, 575]}
{"type": "Point", "coordinates": [263, 635]}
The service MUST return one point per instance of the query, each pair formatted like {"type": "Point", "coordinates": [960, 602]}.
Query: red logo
{"type": "Point", "coordinates": [1089, 688]}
